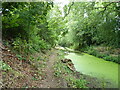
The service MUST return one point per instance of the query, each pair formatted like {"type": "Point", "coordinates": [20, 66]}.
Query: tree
{"type": "Point", "coordinates": [25, 25]}
{"type": "Point", "coordinates": [92, 23]}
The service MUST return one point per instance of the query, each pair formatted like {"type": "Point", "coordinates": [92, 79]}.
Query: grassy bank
{"type": "Point", "coordinates": [72, 79]}
{"type": "Point", "coordinates": [106, 53]}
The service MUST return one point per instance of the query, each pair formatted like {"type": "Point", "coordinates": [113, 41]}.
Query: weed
{"type": "Point", "coordinates": [33, 78]}
{"type": "Point", "coordinates": [105, 56]}
{"type": "Point", "coordinates": [20, 57]}
{"type": "Point", "coordinates": [76, 83]}
{"type": "Point", "coordinates": [4, 66]}
{"type": "Point", "coordinates": [61, 70]}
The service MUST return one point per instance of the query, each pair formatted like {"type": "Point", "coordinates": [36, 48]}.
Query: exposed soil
{"type": "Point", "coordinates": [29, 74]}
{"type": "Point", "coordinates": [22, 74]}
{"type": "Point", "coordinates": [51, 81]}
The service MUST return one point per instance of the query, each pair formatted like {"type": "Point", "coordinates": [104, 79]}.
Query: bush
{"type": "Point", "coordinates": [110, 58]}
{"type": "Point", "coordinates": [107, 57]}
{"type": "Point", "coordinates": [91, 51]}
{"type": "Point", "coordinates": [21, 46]}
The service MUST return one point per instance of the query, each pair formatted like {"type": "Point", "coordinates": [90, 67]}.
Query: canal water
{"type": "Point", "coordinates": [90, 65]}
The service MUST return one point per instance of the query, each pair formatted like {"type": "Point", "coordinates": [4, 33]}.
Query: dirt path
{"type": "Point", "coordinates": [31, 75]}
{"type": "Point", "coordinates": [51, 81]}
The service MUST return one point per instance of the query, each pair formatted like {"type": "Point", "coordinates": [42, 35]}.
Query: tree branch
{"type": "Point", "coordinates": [105, 7]}
{"type": "Point", "coordinates": [69, 9]}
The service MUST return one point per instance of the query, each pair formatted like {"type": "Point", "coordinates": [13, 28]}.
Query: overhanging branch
{"type": "Point", "coordinates": [105, 7]}
{"type": "Point", "coordinates": [69, 9]}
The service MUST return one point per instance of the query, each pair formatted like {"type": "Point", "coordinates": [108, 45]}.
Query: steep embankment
{"type": "Point", "coordinates": [38, 72]}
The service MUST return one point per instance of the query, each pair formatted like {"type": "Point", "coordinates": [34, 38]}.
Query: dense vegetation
{"type": "Point", "coordinates": [91, 27]}
{"type": "Point", "coordinates": [25, 26]}
{"type": "Point", "coordinates": [87, 25]}
{"type": "Point", "coordinates": [93, 24]}
{"type": "Point", "coordinates": [34, 26]}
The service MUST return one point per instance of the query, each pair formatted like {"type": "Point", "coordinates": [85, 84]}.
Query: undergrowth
{"type": "Point", "coordinates": [61, 70]}
{"type": "Point", "coordinates": [104, 53]}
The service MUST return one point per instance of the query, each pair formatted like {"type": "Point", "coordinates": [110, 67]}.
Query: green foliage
{"type": "Point", "coordinates": [4, 66]}
{"type": "Point", "coordinates": [38, 26]}
{"type": "Point", "coordinates": [106, 56]}
{"type": "Point", "coordinates": [61, 70]}
{"type": "Point", "coordinates": [91, 23]}
{"type": "Point", "coordinates": [58, 69]}
{"type": "Point", "coordinates": [20, 45]}
{"type": "Point", "coordinates": [80, 83]}
{"type": "Point", "coordinates": [110, 58]}
{"type": "Point", "coordinates": [33, 78]}
{"type": "Point", "coordinates": [20, 57]}
{"type": "Point", "coordinates": [25, 25]}
{"type": "Point", "coordinates": [91, 51]}
{"type": "Point", "coordinates": [77, 83]}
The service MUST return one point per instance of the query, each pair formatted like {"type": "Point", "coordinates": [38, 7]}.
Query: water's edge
{"type": "Point", "coordinates": [95, 67]}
